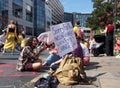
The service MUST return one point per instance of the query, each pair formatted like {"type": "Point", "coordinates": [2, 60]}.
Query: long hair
{"type": "Point", "coordinates": [30, 40]}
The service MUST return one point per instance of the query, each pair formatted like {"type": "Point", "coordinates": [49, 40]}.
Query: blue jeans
{"type": "Point", "coordinates": [52, 58]}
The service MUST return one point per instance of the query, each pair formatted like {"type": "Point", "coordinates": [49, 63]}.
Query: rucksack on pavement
{"type": "Point", "coordinates": [70, 70]}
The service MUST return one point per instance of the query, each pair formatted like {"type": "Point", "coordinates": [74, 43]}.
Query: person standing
{"type": "Point", "coordinates": [21, 39]}
{"type": "Point", "coordinates": [78, 31]}
{"type": "Point", "coordinates": [76, 28]}
{"type": "Point", "coordinates": [11, 34]}
{"type": "Point", "coordinates": [109, 32]}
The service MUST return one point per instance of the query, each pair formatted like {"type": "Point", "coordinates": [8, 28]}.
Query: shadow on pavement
{"type": "Point", "coordinates": [92, 65]}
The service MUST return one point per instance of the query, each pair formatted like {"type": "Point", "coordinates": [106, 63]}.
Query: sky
{"type": "Point", "coordinates": [80, 6]}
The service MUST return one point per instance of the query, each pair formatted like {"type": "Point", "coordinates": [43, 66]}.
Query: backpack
{"type": "Point", "coordinates": [46, 82]}
{"type": "Point", "coordinates": [70, 70]}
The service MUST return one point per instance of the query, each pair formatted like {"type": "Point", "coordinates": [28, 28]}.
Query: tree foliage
{"type": "Point", "coordinates": [103, 11]}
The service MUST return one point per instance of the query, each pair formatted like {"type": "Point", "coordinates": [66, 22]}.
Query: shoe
{"type": "Point", "coordinates": [118, 56]}
{"type": "Point", "coordinates": [3, 52]}
{"type": "Point", "coordinates": [105, 55]}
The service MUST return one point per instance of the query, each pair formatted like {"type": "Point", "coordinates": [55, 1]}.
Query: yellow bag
{"type": "Point", "coordinates": [69, 71]}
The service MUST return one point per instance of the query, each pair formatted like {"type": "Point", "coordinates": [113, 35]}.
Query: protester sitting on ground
{"type": "Point", "coordinates": [84, 52]}
{"type": "Point", "coordinates": [86, 57]}
{"type": "Point", "coordinates": [78, 52]}
{"type": "Point", "coordinates": [29, 57]}
{"type": "Point", "coordinates": [53, 57]}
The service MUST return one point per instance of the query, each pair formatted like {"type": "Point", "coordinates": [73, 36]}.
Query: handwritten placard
{"type": "Point", "coordinates": [64, 37]}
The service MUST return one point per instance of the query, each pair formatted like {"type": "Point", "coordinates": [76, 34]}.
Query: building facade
{"type": "Point", "coordinates": [57, 10]}
{"type": "Point", "coordinates": [48, 20]}
{"type": "Point", "coordinates": [82, 17]}
{"type": "Point", "coordinates": [68, 17]}
{"type": "Point", "coordinates": [19, 10]}
{"type": "Point", "coordinates": [39, 16]}
{"type": "Point", "coordinates": [4, 13]}
{"type": "Point", "coordinates": [32, 15]}
{"type": "Point", "coordinates": [72, 17]}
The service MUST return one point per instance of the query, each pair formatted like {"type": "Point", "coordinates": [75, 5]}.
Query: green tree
{"type": "Point", "coordinates": [103, 11]}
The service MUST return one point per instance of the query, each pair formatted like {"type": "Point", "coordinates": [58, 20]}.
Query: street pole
{"type": "Point", "coordinates": [115, 14]}
{"type": "Point", "coordinates": [115, 20]}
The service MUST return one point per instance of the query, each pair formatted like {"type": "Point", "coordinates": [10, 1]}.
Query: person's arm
{"type": "Point", "coordinates": [55, 51]}
{"type": "Point", "coordinates": [15, 32]}
{"type": "Point", "coordinates": [29, 53]}
{"type": "Point", "coordinates": [57, 62]}
{"type": "Point", "coordinates": [105, 31]}
{"type": "Point", "coordinates": [7, 31]}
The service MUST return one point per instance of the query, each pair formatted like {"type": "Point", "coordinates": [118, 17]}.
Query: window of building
{"type": "Point", "coordinates": [28, 30]}
{"type": "Point", "coordinates": [29, 13]}
{"type": "Point", "coordinates": [17, 10]}
{"type": "Point", "coordinates": [3, 13]}
{"type": "Point", "coordinates": [18, 2]}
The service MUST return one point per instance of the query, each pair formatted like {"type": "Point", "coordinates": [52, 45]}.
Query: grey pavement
{"type": "Point", "coordinates": [11, 78]}
{"type": "Point", "coordinates": [104, 71]}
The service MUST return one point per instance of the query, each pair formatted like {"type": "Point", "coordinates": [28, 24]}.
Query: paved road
{"type": "Point", "coordinates": [10, 78]}
{"type": "Point", "coordinates": [103, 71]}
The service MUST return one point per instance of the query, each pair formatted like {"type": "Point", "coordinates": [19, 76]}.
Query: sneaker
{"type": "Point", "coordinates": [118, 56]}
{"type": "Point", "coordinates": [3, 52]}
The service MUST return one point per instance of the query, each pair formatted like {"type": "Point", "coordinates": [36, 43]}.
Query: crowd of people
{"type": "Point", "coordinates": [12, 38]}
{"type": "Point", "coordinates": [29, 54]}
{"type": "Point", "coordinates": [29, 57]}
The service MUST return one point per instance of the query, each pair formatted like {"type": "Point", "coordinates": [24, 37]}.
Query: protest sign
{"type": "Point", "coordinates": [46, 37]}
{"type": "Point", "coordinates": [64, 37]}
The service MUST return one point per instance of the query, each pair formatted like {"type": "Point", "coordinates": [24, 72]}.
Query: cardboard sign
{"type": "Point", "coordinates": [64, 37]}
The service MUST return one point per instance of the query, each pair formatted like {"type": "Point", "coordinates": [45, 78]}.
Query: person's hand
{"type": "Point", "coordinates": [52, 64]}
{"type": "Point", "coordinates": [102, 31]}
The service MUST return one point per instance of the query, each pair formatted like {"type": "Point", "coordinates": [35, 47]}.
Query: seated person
{"type": "Point", "coordinates": [28, 59]}
{"type": "Point", "coordinates": [53, 57]}
{"type": "Point", "coordinates": [86, 57]}
{"type": "Point", "coordinates": [76, 52]}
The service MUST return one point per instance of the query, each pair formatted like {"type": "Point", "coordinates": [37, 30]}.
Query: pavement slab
{"type": "Point", "coordinates": [103, 71]}
{"type": "Point", "coordinates": [110, 83]}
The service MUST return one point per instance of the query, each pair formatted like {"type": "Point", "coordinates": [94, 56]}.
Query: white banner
{"type": "Point", "coordinates": [64, 37]}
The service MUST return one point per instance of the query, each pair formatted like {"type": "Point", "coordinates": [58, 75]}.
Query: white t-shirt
{"type": "Point", "coordinates": [85, 50]}
{"type": "Point", "coordinates": [92, 44]}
